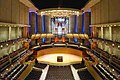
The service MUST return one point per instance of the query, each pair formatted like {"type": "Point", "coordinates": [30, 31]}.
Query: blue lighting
{"type": "Point", "coordinates": [29, 20]}
{"type": "Point", "coordinates": [83, 23]}
{"type": "Point", "coordinates": [36, 23]}
{"type": "Point", "coordinates": [75, 27]}
{"type": "Point", "coordinates": [43, 27]}
{"type": "Point", "coordinates": [89, 23]}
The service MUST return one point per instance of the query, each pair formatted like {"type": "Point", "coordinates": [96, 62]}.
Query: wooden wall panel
{"type": "Point", "coordinates": [114, 11]}
{"type": "Point", "coordinates": [93, 15]}
{"type": "Point", "coordinates": [15, 11]}
{"type": "Point", "coordinates": [26, 15]}
{"type": "Point", "coordinates": [98, 15]}
{"type": "Point", "coordinates": [5, 11]}
{"type": "Point", "coordinates": [21, 13]}
{"type": "Point", "coordinates": [104, 11]}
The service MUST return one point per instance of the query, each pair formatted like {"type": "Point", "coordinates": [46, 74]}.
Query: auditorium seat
{"type": "Point", "coordinates": [40, 65]}
{"type": "Point", "coordinates": [15, 72]}
{"type": "Point", "coordinates": [85, 75]}
{"type": "Point", "coordinates": [59, 73]}
{"type": "Point", "coordinates": [79, 65]}
{"type": "Point", "coordinates": [104, 72]}
{"type": "Point", "coordinates": [34, 75]}
{"type": "Point", "coordinates": [112, 60]}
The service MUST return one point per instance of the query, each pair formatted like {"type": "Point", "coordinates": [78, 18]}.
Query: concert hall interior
{"type": "Point", "coordinates": [59, 40]}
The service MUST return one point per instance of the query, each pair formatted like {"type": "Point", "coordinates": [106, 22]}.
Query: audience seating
{"type": "Point", "coordinates": [85, 75]}
{"type": "Point", "coordinates": [109, 59]}
{"type": "Point", "coordinates": [40, 65]}
{"type": "Point", "coordinates": [103, 72]}
{"type": "Point", "coordinates": [34, 75]}
{"type": "Point", "coordinates": [15, 72]}
{"type": "Point", "coordinates": [59, 73]}
{"type": "Point", "coordinates": [79, 65]}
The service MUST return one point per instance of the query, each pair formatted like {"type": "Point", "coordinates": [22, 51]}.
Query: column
{"type": "Point", "coordinates": [101, 32]}
{"type": "Point", "coordinates": [75, 26]}
{"type": "Point", "coordinates": [86, 22]}
{"type": "Point", "coordinates": [110, 32]}
{"type": "Point", "coordinates": [32, 22]}
{"type": "Point", "coordinates": [9, 38]}
{"type": "Point", "coordinates": [39, 24]}
{"type": "Point", "coordinates": [43, 27]}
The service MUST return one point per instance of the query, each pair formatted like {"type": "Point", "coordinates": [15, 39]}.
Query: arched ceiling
{"type": "Point", "coordinates": [43, 4]}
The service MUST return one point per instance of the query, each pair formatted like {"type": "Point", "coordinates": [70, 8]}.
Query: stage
{"type": "Point", "coordinates": [59, 59]}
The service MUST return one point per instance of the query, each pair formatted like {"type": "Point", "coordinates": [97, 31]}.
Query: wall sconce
{"type": "Point", "coordinates": [6, 44]}
{"type": "Point", "coordinates": [1, 46]}
{"type": "Point", "coordinates": [119, 47]}
{"type": "Point", "coordinates": [113, 45]}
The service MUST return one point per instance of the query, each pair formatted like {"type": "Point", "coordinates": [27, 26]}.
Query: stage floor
{"type": "Point", "coordinates": [52, 59]}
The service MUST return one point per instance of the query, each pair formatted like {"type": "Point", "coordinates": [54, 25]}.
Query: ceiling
{"type": "Point", "coordinates": [43, 4]}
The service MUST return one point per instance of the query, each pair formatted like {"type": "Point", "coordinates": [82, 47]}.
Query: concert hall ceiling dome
{"type": "Point", "coordinates": [60, 12]}
{"type": "Point", "coordinates": [43, 4]}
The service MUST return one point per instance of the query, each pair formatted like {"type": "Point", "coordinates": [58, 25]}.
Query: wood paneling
{"type": "Point", "coordinates": [58, 51]}
{"type": "Point", "coordinates": [21, 13]}
{"type": "Point", "coordinates": [15, 11]}
{"type": "Point", "coordinates": [5, 11]}
{"type": "Point", "coordinates": [98, 15]}
{"type": "Point", "coordinates": [93, 15]}
{"type": "Point", "coordinates": [26, 15]}
{"type": "Point", "coordinates": [104, 11]}
{"type": "Point", "coordinates": [114, 11]}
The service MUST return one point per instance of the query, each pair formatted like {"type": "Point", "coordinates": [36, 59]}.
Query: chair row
{"type": "Point", "coordinates": [34, 75]}
{"type": "Point", "coordinates": [8, 61]}
{"type": "Point", "coordinates": [15, 72]}
{"type": "Point", "coordinates": [11, 55]}
{"type": "Point", "coordinates": [38, 36]}
{"type": "Point", "coordinates": [109, 59]}
{"type": "Point", "coordinates": [79, 36]}
{"type": "Point", "coordinates": [85, 75]}
{"type": "Point", "coordinates": [104, 73]}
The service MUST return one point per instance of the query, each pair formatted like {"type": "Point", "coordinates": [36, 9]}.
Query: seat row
{"type": "Point", "coordinates": [79, 36]}
{"type": "Point", "coordinates": [7, 62]}
{"type": "Point", "coordinates": [34, 75]}
{"type": "Point", "coordinates": [109, 59]}
{"type": "Point", "coordinates": [85, 75]}
{"type": "Point", "coordinates": [59, 73]}
{"type": "Point", "coordinates": [104, 73]}
{"type": "Point", "coordinates": [12, 56]}
{"type": "Point", "coordinates": [15, 72]}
